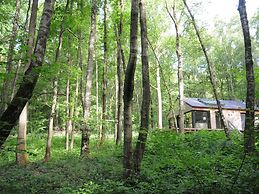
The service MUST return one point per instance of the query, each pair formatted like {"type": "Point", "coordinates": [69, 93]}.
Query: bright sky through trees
{"type": "Point", "coordinates": [225, 9]}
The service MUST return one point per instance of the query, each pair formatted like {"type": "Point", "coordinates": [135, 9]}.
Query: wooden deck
{"type": "Point", "coordinates": [187, 130]}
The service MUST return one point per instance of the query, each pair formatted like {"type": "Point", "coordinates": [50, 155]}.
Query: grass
{"type": "Point", "coordinates": [200, 162]}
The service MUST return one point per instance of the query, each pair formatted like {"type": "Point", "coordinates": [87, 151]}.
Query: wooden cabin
{"type": "Point", "coordinates": [203, 114]}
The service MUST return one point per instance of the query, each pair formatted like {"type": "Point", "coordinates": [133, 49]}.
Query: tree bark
{"type": "Point", "coordinates": [104, 84]}
{"type": "Point", "coordinates": [97, 98]}
{"type": "Point", "coordinates": [171, 114]}
{"type": "Point", "coordinates": [120, 95]}
{"type": "Point", "coordinates": [129, 88]}
{"type": "Point", "coordinates": [115, 112]}
{"type": "Point", "coordinates": [152, 114]}
{"type": "Point", "coordinates": [159, 99]}
{"type": "Point", "coordinates": [120, 71]}
{"type": "Point", "coordinates": [51, 121]}
{"type": "Point", "coordinates": [145, 108]}
{"type": "Point", "coordinates": [88, 86]}
{"type": "Point", "coordinates": [249, 133]}
{"type": "Point", "coordinates": [211, 73]}
{"type": "Point", "coordinates": [24, 93]}
{"type": "Point", "coordinates": [7, 89]}
{"type": "Point", "coordinates": [68, 129]}
{"type": "Point", "coordinates": [74, 113]}
{"type": "Point", "coordinates": [21, 150]}
{"type": "Point", "coordinates": [55, 91]}
{"type": "Point", "coordinates": [180, 68]}
{"type": "Point", "coordinates": [21, 154]}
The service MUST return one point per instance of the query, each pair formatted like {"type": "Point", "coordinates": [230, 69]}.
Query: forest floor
{"type": "Point", "coordinates": [200, 162]}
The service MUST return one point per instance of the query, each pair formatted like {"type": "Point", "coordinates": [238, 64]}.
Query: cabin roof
{"type": "Point", "coordinates": [210, 103]}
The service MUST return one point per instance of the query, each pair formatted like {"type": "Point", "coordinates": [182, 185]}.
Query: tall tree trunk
{"type": "Point", "coordinates": [6, 90]}
{"type": "Point", "coordinates": [129, 88]}
{"type": "Point", "coordinates": [74, 114]}
{"type": "Point", "coordinates": [88, 86]}
{"type": "Point", "coordinates": [159, 99]}
{"type": "Point", "coordinates": [21, 155]}
{"type": "Point", "coordinates": [103, 127]}
{"type": "Point", "coordinates": [249, 133]}
{"type": "Point", "coordinates": [145, 108]}
{"type": "Point", "coordinates": [119, 97]}
{"type": "Point", "coordinates": [67, 114]}
{"type": "Point", "coordinates": [24, 93]}
{"type": "Point", "coordinates": [180, 68]}
{"type": "Point", "coordinates": [69, 98]}
{"type": "Point", "coordinates": [21, 150]}
{"type": "Point", "coordinates": [97, 97]}
{"type": "Point", "coordinates": [120, 70]}
{"type": "Point", "coordinates": [171, 115]}
{"type": "Point", "coordinates": [115, 114]}
{"type": "Point", "coordinates": [55, 90]}
{"type": "Point", "coordinates": [211, 73]}
{"type": "Point", "coordinates": [51, 121]}
{"type": "Point", "coordinates": [152, 114]}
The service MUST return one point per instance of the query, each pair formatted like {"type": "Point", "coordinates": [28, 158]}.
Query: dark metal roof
{"type": "Point", "coordinates": [208, 103]}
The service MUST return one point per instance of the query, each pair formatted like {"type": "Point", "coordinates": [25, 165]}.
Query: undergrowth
{"type": "Point", "coordinates": [201, 162]}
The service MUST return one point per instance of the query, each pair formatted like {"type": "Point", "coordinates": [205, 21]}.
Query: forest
{"type": "Point", "coordinates": [120, 96]}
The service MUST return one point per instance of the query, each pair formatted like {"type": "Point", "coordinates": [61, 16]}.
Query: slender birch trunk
{"type": "Point", "coordinates": [115, 115]}
{"type": "Point", "coordinates": [171, 114]}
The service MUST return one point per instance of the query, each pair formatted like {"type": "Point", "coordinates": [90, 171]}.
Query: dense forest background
{"type": "Point", "coordinates": [84, 77]}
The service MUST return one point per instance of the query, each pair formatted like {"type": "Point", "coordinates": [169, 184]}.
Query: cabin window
{"type": "Point", "coordinates": [188, 120]}
{"type": "Point", "coordinates": [201, 119]}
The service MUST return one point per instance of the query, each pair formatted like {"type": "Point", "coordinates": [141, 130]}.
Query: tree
{"type": "Point", "coordinates": [159, 99]}
{"type": "Point", "coordinates": [11, 115]}
{"type": "Point", "coordinates": [129, 88]}
{"type": "Point", "coordinates": [119, 74]}
{"type": "Point", "coordinates": [180, 66]}
{"type": "Point", "coordinates": [249, 133]}
{"type": "Point", "coordinates": [211, 73]}
{"type": "Point", "coordinates": [21, 155]}
{"type": "Point", "coordinates": [55, 89]}
{"type": "Point", "coordinates": [103, 127]}
{"type": "Point", "coordinates": [69, 104]}
{"type": "Point", "coordinates": [144, 125]}
{"type": "Point", "coordinates": [7, 90]}
{"type": "Point", "coordinates": [88, 85]}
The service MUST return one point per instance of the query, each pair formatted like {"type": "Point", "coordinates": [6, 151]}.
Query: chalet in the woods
{"type": "Point", "coordinates": [203, 113]}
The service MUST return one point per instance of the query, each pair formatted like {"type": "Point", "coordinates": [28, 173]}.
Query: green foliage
{"type": "Point", "coordinates": [201, 162]}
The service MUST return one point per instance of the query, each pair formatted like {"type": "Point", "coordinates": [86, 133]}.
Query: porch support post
{"type": "Point", "coordinates": [213, 119]}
